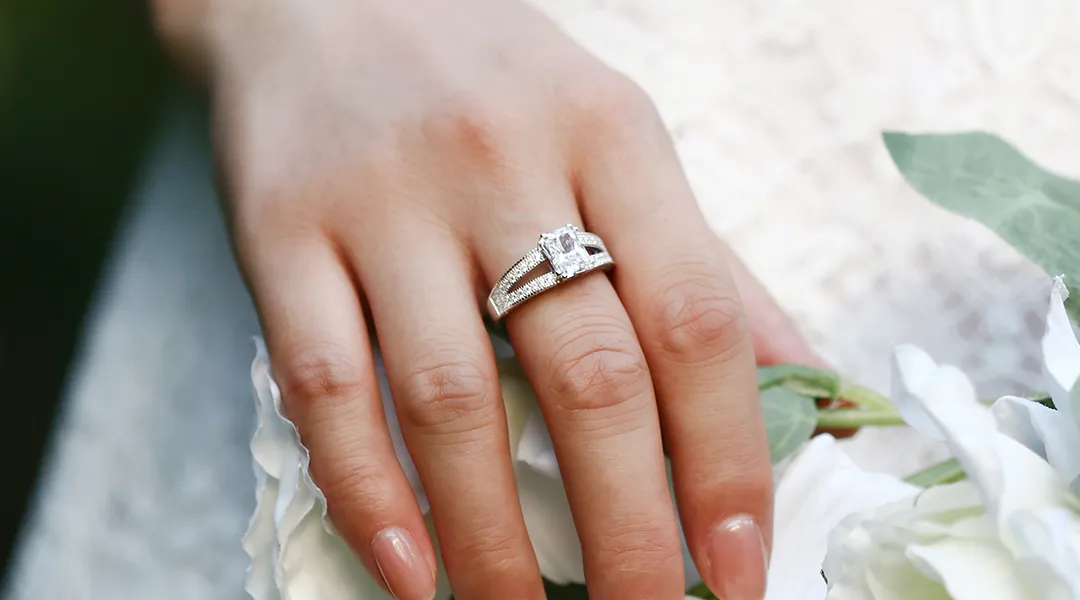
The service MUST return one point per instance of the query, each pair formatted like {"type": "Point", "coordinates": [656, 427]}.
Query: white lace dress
{"type": "Point", "coordinates": [777, 109]}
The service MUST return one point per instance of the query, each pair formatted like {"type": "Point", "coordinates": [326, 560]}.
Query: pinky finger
{"type": "Point", "coordinates": [776, 339]}
{"type": "Point", "coordinates": [322, 359]}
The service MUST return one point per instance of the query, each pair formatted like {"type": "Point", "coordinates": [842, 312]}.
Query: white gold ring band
{"type": "Point", "coordinates": [569, 252]}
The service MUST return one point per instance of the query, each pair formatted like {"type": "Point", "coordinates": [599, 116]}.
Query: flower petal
{"type": "Point", "coordinates": [897, 451]}
{"type": "Point", "coordinates": [1009, 476]}
{"type": "Point", "coordinates": [550, 525]}
{"type": "Point", "coordinates": [819, 488]}
{"type": "Point", "coordinates": [918, 380]}
{"type": "Point", "coordinates": [540, 489]}
{"type": "Point", "coordinates": [1045, 431]}
{"type": "Point", "coordinates": [1052, 560]}
{"type": "Point", "coordinates": [971, 569]}
{"type": "Point", "coordinates": [535, 448]}
{"type": "Point", "coordinates": [859, 567]}
{"type": "Point", "coordinates": [867, 557]}
{"type": "Point", "coordinates": [1015, 483]}
{"type": "Point", "coordinates": [1061, 353]}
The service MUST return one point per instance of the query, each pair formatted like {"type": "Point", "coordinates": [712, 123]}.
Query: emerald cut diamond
{"type": "Point", "coordinates": [564, 252]}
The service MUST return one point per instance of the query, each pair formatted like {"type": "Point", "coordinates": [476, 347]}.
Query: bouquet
{"type": "Point", "coordinates": [999, 519]}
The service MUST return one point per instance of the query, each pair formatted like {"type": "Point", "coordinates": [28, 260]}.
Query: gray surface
{"type": "Point", "coordinates": [149, 486]}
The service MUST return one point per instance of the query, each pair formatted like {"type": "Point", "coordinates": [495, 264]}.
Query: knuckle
{"type": "Point", "coordinates": [274, 212]}
{"type": "Point", "coordinates": [598, 366]}
{"type": "Point", "coordinates": [698, 319]}
{"type": "Point", "coordinates": [313, 378]}
{"type": "Point", "coordinates": [641, 547]}
{"type": "Point", "coordinates": [749, 490]}
{"type": "Point", "coordinates": [742, 483]}
{"type": "Point", "coordinates": [355, 487]}
{"type": "Point", "coordinates": [442, 392]}
{"type": "Point", "coordinates": [499, 555]}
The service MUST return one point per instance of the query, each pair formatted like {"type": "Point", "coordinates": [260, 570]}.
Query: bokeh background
{"type": "Point", "coordinates": [777, 111]}
{"type": "Point", "coordinates": [81, 87]}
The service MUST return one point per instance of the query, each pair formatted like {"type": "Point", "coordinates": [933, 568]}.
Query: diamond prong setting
{"type": "Point", "coordinates": [564, 251]}
{"type": "Point", "coordinates": [568, 251]}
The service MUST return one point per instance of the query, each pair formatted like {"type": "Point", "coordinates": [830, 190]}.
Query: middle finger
{"type": "Point", "coordinates": [441, 370]}
{"type": "Point", "coordinates": [579, 351]}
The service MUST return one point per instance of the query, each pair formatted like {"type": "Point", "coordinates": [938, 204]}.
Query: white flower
{"type": "Point", "coordinates": [1008, 530]}
{"type": "Point", "coordinates": [820, 487]}
{"type": "Point", "coordinates": [1053, 434]}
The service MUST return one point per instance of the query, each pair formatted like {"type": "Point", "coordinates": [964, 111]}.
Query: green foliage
{"type": "Point", "coordinates": [790, 420]}
{"type": "Point", "coordinates": [981, 176]}
{"type": "Point", "coordinates": [947, 471]}
{"type": "Point", "coordinates": [803, 380]}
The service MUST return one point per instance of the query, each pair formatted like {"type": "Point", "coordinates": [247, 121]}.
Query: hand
{"type": "Point", "coordinates": [385, 163]}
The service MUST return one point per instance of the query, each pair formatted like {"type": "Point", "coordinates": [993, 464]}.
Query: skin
{"type": "Point", "coordinates": [384, 163]}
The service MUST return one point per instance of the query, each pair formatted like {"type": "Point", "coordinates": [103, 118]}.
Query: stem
{"type": "Point", "coordinates": [865, 397]}
{"type": "Point", "coordinates": [944, 472]}
{"type": "Point", "coordinates": [853, 419]}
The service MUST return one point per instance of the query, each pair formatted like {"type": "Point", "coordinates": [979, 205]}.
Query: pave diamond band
{"type": "Point", "coordinates": [567, 250]}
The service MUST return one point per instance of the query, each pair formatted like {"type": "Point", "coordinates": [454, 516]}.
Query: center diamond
{"type": "Point", "coordinates": [563, 251]}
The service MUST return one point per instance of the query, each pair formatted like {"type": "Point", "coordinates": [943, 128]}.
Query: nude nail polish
{"type": "Point", "coordinates": [737, 560]}
{"type": "Point", "coordinates": [406, 573]}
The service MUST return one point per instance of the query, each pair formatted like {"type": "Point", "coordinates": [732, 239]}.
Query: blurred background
{"type": "Point", "coordinates": [776, 108]}
{"type": "Point", "coordinates": [81, 88]}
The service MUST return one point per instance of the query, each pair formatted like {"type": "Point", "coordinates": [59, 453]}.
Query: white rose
{"type": "Point", "coordinates": [1010, 531]}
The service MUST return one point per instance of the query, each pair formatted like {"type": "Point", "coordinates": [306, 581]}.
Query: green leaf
{"type": "Point", "coordinates": [790, 419]}
{"type": "Point", "coordinates": [948, 471]}
{"type": "Point", "coordinates": [701, 591]}
{"type": "Point", "coordinates": [806, 381]}
{"type": "Point", "coordinates": [981, 176]}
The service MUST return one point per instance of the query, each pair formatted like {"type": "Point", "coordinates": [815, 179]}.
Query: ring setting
{"type": "Point", "coordinates": [568, 251]}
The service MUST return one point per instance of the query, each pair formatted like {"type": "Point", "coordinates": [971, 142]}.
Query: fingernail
{"type": "Point", "coordinates": [737, 561]}
{"type": "Point", "coordinates": [406, 573]}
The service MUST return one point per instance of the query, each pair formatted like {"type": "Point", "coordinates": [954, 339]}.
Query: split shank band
{"type": "Point", "coordinates": [569, 252]}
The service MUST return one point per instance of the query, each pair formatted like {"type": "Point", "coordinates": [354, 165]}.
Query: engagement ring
{"type": "Point", "coordinates": [567, 250]}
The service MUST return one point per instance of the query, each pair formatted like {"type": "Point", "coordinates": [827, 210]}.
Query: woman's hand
{"type": "Point", "coordinates": [385, 163]}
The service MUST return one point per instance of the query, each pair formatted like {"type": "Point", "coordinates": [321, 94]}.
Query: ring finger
{"type": "Point", "coordinates": [579, 351]}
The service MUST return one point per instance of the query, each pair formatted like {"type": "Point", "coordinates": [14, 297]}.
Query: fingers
{"type": "Point", "coordinates": [690, 319]}
{"type": "Point", "coordinates": [442, 372]}
{"type": "Point", "coordinates": [776, 339]}
{"type": "Point", "coordinates": [579, 350]}
{"type": "Point", "coordinates": [322, 359]}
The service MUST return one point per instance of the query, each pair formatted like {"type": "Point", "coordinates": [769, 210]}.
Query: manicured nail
{"type": "Point", "coordinates": [737, 561]}
{"type": "Point", "coordinates": [405, 571]}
